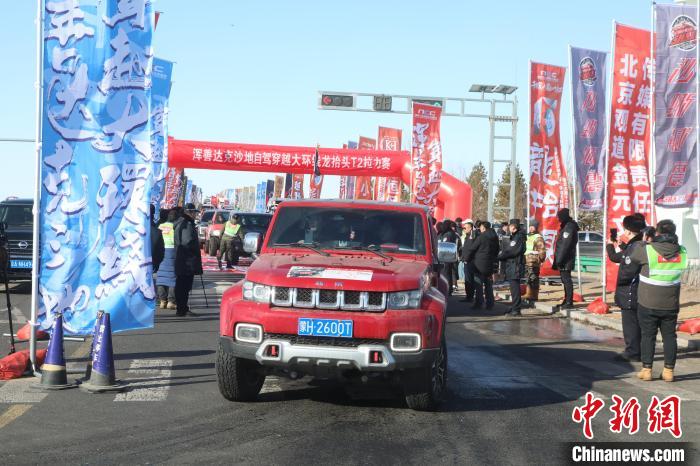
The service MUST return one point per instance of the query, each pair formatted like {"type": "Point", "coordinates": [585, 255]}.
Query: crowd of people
{"type": "Point", "coordinates": [176, 257]}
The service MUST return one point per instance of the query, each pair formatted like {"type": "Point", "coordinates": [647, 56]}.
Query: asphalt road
{"type": "Point", "coordinates": [512, 387]}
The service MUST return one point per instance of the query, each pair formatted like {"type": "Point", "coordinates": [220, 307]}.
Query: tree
{"type": "Point", "coordinates": [501, 201]}
{"type": "Point", "coordinates": [590, 220]}
{"type": "Point", "coordinates": [478, 180]}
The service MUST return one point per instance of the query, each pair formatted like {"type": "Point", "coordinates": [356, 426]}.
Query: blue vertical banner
{"type": "Point", "coordinates": [188, 192]}
{"type": "Point", "coordinates": [160, 95]}
{"type": "Point", "coordinates": [97, 164]}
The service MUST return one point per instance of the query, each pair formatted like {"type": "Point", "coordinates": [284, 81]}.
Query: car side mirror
{"type": "Point", "coordinates": [251, 242]}
{"type": "Point", "coordinates": [447, 252]}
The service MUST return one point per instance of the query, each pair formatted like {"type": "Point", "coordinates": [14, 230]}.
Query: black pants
{"type": "Point", "coordinates": [229, 250]}
{"type": "Point", "coordinates": [450, 274]}
{"type": "Point", "coordinates": [183, 286]}
{"type": "Point", "coordinates": [515, 297]}
{"type": "Point", "coordinates": [568, 283]}
{"type": "Point", "coordinates": [650, 322]}
{"type": "Point", "coordinates": [483, 289]}
{"type": "Point", "coordinates": [469, 280]}
{"type": "Point", "coordinates": [631, 332]}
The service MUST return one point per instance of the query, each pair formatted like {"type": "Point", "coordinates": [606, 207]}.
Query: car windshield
{"type": "Point", "coordinates": [206, 216]}
{"type": "Point", "coordinates": [344, 228]}
{"type": "Point", "coordinates": [218, 219]}
{"type": "Point", "coordinates": [255, 220]}
{"type": "Point", "coordinates": [19, 215]}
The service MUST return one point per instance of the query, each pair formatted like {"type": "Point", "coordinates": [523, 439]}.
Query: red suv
{"type": "Point", "coordinates": [341, 289]}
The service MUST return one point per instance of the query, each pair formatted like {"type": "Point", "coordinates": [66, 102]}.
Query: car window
{"type": "Point", "coordinates": [207, 216]}
{"type": "Point", "coordinates": [16, 214]}
{"type": "Point", "coordinates": [252, 220]}
{"type": "Point", "coordinates": [595, 237]}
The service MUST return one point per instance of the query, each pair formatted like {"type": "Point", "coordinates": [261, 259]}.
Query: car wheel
{"type": "Point", "coordinates": [213, 246]}
{"type": "Point", "coordinates": [433, 381]}
{"type": "Point", "coordinates": [238, 379]}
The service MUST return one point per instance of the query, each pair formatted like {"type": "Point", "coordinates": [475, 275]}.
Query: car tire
{"type": "Point", "coordinates": [238, 379]}
{"type": "Point", "coordinates": [433, 381]}
{"type": "Point", "coordinates": [213, 246]}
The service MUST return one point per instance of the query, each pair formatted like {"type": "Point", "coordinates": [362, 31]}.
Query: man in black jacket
{"type": "Point", "coordinates": [565, 256]}
{"type": "Point", "coordinates": [482, 254]}
{"type": "Point", "coordinates": [469, 235]}
{"type": "Point", "coordinates": [628, 282]}
{"type": "Point", "coordinates": [512, 257]}
{"type": "Point", "coordinates": [449, 235]}
{"type": "Point", "coordinates": [188, 260]}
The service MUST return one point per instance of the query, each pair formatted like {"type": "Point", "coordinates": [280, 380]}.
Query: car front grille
{"type": "Point", "coordinates": [323, 341]}
{"type": "Point", "coordinates": [309, 298]}
{"type": "Point", "coordinates": [13, 247]}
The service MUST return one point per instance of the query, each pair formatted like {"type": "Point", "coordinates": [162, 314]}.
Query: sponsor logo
{"type": "Point", "coordinates": [23, 245]}
{"type": "Point", "coordinates": [389, 144]}
{"type": "Point", "coordinates": [683, 33]}
{"type": "Point", "coordinates": [429, 114]}
{"type": "Point", "coordinates": [588, 73]}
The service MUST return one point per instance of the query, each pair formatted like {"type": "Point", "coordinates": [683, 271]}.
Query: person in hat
{"type": "Point", "coordinates": [620, 252]}
{"type": "Point", "coordinates": [535, 255]}
{"type": "Point", "coordinates": [469, 235]}
{"type": "Point", "coordinates": [231, 241]}
{"type": "Point", "coordinates": [512, 257]}
{"type": "Point", "coordinates": [662, 263]}
{"type": "Point", "coordinates": [188, 260]}
{"type": "Point", "coordinates": [565, 256]}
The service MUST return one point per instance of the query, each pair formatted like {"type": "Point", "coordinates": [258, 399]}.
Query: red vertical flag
{"type": "Point", "coordinates": [548, 184]}
{"type": "Point", "coordinates": [298, 186]}
{"type": "Point", "coordinates": [389, 189]}
{"type": "Point", "coordinates": [628, 188]}
{"type": "Point", "coordinates": [316, 180]}
{"type": "Point", "coordinates": [363, 184]}
{"type": "Point", "coordinates": [426, 155]}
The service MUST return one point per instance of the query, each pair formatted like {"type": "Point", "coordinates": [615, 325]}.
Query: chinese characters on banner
{"type": "Point", "coordinates": [548, 185]}
{"type": "Point", "coordinates": [350, 181]}
{"type": "Point", "coordinates": [160, 93]}
{"type": "Point", "coordinates": [675, 98]}
{"type": "Point", "coordinates": [588, 107]}
{"type": "Point", "coordinates": [389, 189]}
{"type": "Point", "coordinates": [173, 181]}
{"type": "Point", "coordinates": [97, 165]}
{"type": "Point", "coordinates": [316, 179]}
{"type": "Point", "coordinates": [426, 155]}
{"type": "Point", "coordinates": [630, 134]}
{"type": "Point", "coordinates": [297, 186]}
{"type": "Point", "coordinates": [278, 186]}
{"type": "Point", "coordinates": [363, 184]}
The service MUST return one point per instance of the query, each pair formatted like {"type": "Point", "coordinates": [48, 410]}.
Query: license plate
{"type": "Point", "coordinates": [325, 328]}
{"type": "Point", "coordinates": [20, 264]}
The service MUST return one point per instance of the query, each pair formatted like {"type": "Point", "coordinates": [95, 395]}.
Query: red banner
{"type": "Point", "coordinates": [389, 188]}
{"type": "Point", "coordinates": [426, 156]}
{"type": "Point", "coordinates": [363, 184]}
{"type": "Point", "coordinates": [548, 183]}
{"type": "Point", "coordinates": [288, 159]}
{"type": "Point", "coordinates": [315, 185]}
{"type": "Point", "coordinates": [343, 187]}
{"type": "Point", "coordinates": [298, 186]}
{"type": "Point", "coordinates": [630, 134]}
{"type": "Point", "coordinates": [173, 181]}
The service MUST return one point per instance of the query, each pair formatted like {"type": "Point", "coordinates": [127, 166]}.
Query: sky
{"type": "Point", "coordinates": [251, 71]}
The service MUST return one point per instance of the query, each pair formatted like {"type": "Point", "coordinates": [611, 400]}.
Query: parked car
{"type": "Point", "coordinates": [590, 243]}
{"type": "Point", "coordinates": [204, 221]}
{"type": "Point", "coordinates": [340, 289]}
{"type": "Point", "coordinates": [251, 223]}
{"type": "Point", "coordinates": [17, 218]}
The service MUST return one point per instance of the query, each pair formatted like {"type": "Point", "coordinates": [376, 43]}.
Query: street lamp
{"type": "Point", "coordinates": [505, 90]}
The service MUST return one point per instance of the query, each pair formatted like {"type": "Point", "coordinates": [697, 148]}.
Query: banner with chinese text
{"type": "Point", "coordinates": [297, 186]}
{"type": "Point", "coordinates": [675, 98]}
{"type": "Point", "coordinates": [160, 94]}
{"type": "Point", "coordinates": [588, 107]}
{"type": "Point", "coordinates": [630, 134]}
{"type": "Point", "coordinates": [278, 187]}
{"type": "Point", "coordinates": [97, 165]}
{"type": "Point", "coordinates": [426, 155]}
{"type": "Point", "coordinates": [548, 185]}
{"type": "Point", "coordinates": [389, 188]}
{"type": "Point", "coordinates": [363, 184]}
{"type": "Point", "coordinates": [173, 181]}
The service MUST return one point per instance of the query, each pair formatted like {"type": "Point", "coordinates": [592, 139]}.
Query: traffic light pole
{"type": "Point", "coordinates": [384, 103]}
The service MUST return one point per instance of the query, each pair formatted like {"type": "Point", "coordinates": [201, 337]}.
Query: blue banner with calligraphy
{"type": "Point", "coordinates": [160, 95]}
{"type": "Point", "coordinates": [97, 164]}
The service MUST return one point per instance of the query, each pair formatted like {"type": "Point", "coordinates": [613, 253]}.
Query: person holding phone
{"type": "Point", "coordinates": [619, 251]}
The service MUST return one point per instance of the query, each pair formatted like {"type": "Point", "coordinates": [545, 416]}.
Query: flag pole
{"type": "Point", "coordinates": [572, 160]}
{"type": "Point", "coordinates": [651, 163]}
{"type": "Point", "coordinates": [606, 153]}
{"type": "Point", "coordinates": [37, 183]}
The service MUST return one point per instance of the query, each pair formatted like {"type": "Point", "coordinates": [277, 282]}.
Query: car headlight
{"type": "Point", "coordinates": [215, 233]}
{"type": "Point", "coordinates": [405, 299]}
{"type": "Point", "coordinates": [256, 292]}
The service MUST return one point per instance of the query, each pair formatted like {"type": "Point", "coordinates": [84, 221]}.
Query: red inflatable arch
{"type": "Point", "coordinates": [454, 199]}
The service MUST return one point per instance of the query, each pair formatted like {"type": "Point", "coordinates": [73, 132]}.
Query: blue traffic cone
{"type": "Point", "coordinates": [102, 374]}
{"type": "Point", "coordinates": [88, 369]}
{"type": "Point", "coordinates": [53, 371]}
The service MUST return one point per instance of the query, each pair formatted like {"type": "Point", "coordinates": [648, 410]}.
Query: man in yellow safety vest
{"type": "Point", "coordinates": [662, 264]}
{"type": "Point", "coordinates": [231, 241]}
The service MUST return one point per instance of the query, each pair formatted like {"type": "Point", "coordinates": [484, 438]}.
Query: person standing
{"type": "Point", "coordinates": [482, 255]}
{"type": "Point", "coordinates": [512, 257]}
{"type": "Point", "coordinates": [535, 254]}
{"type": "Point", "coordinates": [565, 256]}
{"type": "Point", "coordinates": [157, 250]}
{"type": "Point", "coordinates": [166, 279]}
{"type": "Point", "coordinates": [188, 260]}
{"type": "Point", "coordinates": [231, 241]}
{"type": "Point", "coordinates": [448, 235]}
{"type": "Point", "coordinates": [468, 237]}
{"type": "Point", "coordinates": [620, 252]}
{"type": "Point", "coordinates": [662, 263]}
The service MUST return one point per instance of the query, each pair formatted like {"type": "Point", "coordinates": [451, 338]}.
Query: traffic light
{"type": "Point", "coordinates": [337, 101]}
{"type": "Point", "coordinates": [382, 103]}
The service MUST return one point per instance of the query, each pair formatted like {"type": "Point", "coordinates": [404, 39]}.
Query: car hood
{"type": "Point", "coordinates": [357, 272]}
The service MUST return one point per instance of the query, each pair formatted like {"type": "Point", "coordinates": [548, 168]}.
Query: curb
{"type": "Point", "coordinates": [685, 344]}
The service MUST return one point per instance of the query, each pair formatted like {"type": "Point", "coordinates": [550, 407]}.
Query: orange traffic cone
{"type": "Point", "coordinates": [53, 371]}
{"type": "Point", "coordinates": [102, 373]}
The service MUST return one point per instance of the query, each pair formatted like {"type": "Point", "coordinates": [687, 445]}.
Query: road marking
{"type": "Point", "coordinates": [17, 316]}
{"type": "Point", "coordinates": [624, 374]}
{"type": "Point", "coordinates": [20, 391]}
{"type": "Point", "coordinates": [13, 413]}
{"type": "Point", "coordinates": [149, 380]}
